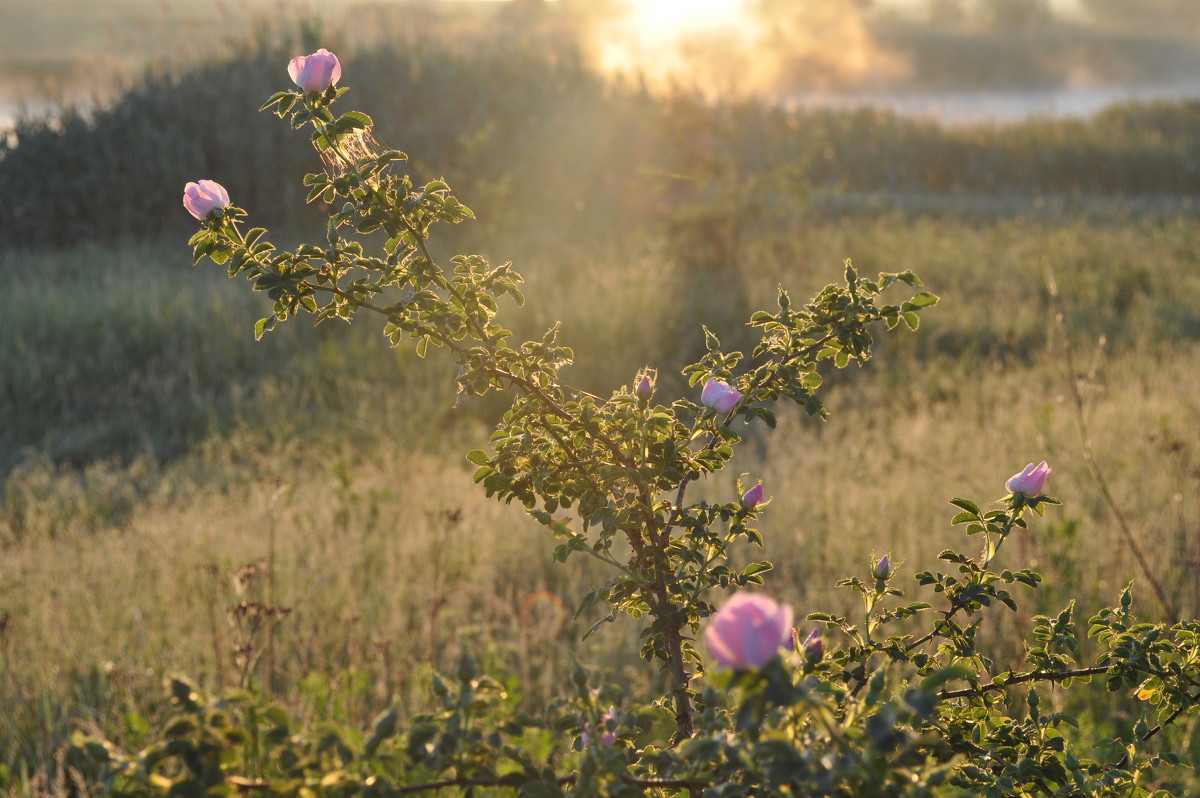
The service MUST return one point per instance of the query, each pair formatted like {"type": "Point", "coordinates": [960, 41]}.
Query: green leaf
{"type": "Point", "coordinates": [912, 320]}
{"type": "Point", "coordinates": [275, 99]}
{"type": "Point", "coordinates": [966, 504]}
{"type": "Point", "coordinates": [357, 120]}
{"type": "Point", "coordinates": [386, 723]}
{"type": "Point", "coordinates": [264, 326]}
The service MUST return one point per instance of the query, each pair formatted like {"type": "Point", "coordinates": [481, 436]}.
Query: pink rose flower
{"type": "Point", "coordinates": [1030, 481]}
{"type": "Point", "coordinates": [645, 387]}
{"type": "Point", "coordinates": [752, 497]}
{"type": "Point", "coordinates": [748, 631]}
{"type": "Point", "coordinates": [204, 197]}
{"type": "Point", "coordinates": [316, 72]}
{"type": "Point", "coordinates": [719, 395]}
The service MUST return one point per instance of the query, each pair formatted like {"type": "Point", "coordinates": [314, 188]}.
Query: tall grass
{"type": "Point", "coordinates": [390, 560]}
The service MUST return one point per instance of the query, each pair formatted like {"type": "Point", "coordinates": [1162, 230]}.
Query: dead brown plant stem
{"type": "Point", "coordinates": [269, 675]}
{"type": "Point", "coordinates": [213, 587]}
{"type": "Point", "coordinates": [1089, 457]}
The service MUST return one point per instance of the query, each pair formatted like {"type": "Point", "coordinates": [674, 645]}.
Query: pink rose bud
{"type": "Point", "coordinates": [748, 631]}
{"type": "Point", "coordinates": [1030, 481]}
{"type": "Point", "coordinates": [719, 395]}
{"type": "Point", "coordinates": [752, 497]}
{"type": "Point", "coordinates": [645, 387]}
{"type": "Point", "coordinates": [814, 647]}
{"type": "Point", "coordinates": [882, 568]}
{"type": "Point", "coordinates": [204, 197]}
{"type": "Point", "coordinates": [316, 72]}
{"type": "Point", "coordinates": [609, 737]}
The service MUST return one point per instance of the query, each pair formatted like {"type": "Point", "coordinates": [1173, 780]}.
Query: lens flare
{"type": "Point", "coordinates": [543, 611]}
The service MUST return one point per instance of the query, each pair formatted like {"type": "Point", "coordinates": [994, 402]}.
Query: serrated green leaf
{"type": "Point", "coordinates": [357, 119]}
{"type": "Point", "coordinates": [966, 504]}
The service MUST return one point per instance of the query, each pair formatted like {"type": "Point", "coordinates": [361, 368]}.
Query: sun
{"type": "Point", "coordinates": [662, 19]}
{"type": "Point", "coordinates": [650, 36]}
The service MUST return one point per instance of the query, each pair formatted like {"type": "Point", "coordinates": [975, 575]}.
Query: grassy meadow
{"type": "Point", "coordinates": [154, 458]}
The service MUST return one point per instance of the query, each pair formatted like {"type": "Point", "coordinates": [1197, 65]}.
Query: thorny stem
{"type": "Point", "coordinates": [954, 606]}
{"type": "Point", "coordinates": [680, 678]}
{"type": "Point", "coordinates": [526, 385]}
{"type": "Point", "coordinates": [1152, 732]}
{"type": "Point", "coordinates": [989, 552]}
{"type": "Point", "coordinates": [1031, 676]}
{"type": "Point", "coordinates": [672, 633]}
{"type": "Point", "coordinates": [932, 633]}
{"type": "Point", "coordinates": [481, 335]}
{"type": "Point", "coordinates": [729, 419]}
{"type": "Point", "coordinates": [453, 345]}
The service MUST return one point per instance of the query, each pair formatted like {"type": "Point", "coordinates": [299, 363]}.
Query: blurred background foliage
{"type": "Point", "coordinates": [514, 114]}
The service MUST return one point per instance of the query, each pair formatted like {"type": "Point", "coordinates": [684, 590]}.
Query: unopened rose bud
{"type": "Point", "coordinates": [203, 197]}
{"type": "Point", "coordinates": [882, 568]}
{"type": "Point", "coordinates": [645, 387]}
{"type": "Point", "coordinates": [752, 497]}
{"type": "Point", "coordinates": [719, 395]}
{"type": "Point", "coordinates": [609, 719]}
{"type": "Point", "coordinates": [748, 631]}
{"type": "Point", "coordinates": [814, 647]}
{"type": "Point", "coordinates": [316, 72]}
{"type": "Point", "coordinates": [1030, 481]}
{"type": "Point", "coordinates": [608, 737]}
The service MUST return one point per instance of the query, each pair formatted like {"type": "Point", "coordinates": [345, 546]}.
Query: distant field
{"type": "Point", "coordinates": [152, 450]}
{"type": "Point", "coordinates": [76, 48]}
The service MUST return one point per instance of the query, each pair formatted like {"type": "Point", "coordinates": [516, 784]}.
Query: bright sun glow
{"type": "Point", "coordinates": [653, 35]}
{"type": "Point", "coordinates": [657, 19]}
{"type": "Point", "coordinates": [743, 46]}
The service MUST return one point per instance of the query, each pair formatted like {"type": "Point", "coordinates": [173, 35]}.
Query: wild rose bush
{"type": "Point", "coordinates": [903, 700]}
